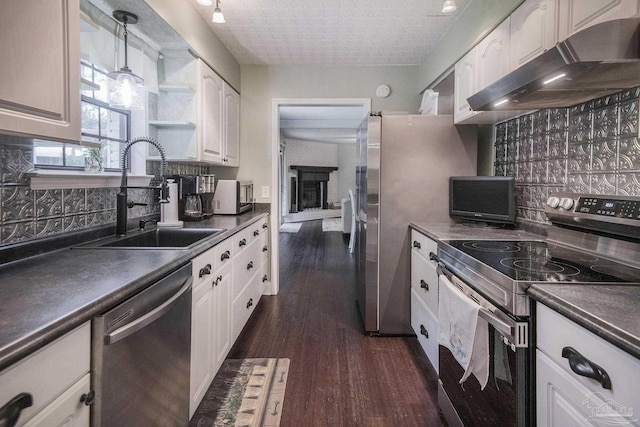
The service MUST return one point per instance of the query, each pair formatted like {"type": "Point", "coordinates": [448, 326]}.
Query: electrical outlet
{"type": "Point", "coordinates": [265, 191]}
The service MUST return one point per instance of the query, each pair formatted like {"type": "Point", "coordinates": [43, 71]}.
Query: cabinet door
{"type": "Point", "coordinates": [464, 83]}
{"type": "Point", "coordinates": [211, 98]}
{"type": "Point", "coordinates": [492, 56]}
{"type": "Point", "coordinates": [231, 127]}
{"type": "Point", "coordinates": [66, 410]}
{"type": "Point", "coordinates": [40, 85]}
{"type": "Point", "coordinates": [576, 15]}
{"type": "Point", "coordinates": [222, 315]}
{"type": "Point", "coordinates": [201, 342]}
{"type": "Point", "coordinates": [533, 31]}
{"type": "Point", "coordinates": [560, 401]}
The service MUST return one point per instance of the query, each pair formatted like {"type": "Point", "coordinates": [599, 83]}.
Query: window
{"type": "Point", "coordinates": [109, 127]}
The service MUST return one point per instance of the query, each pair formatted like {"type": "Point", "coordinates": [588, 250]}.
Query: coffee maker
{"type": "Point", "coordinates": [195, 196]}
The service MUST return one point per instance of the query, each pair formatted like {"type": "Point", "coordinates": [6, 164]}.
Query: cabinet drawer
{"type": "Point", "coordinates": [258, 229]}
{"type": "Point", "coordinates": [241, 240]}
{"type": "Point", "coordinates": [48, 372]}
{"type": "Point", "coordinates": [244, 304]}
{"type": "Point", "coordinates": [66, 410]}
{"type": "Point", "coordinates": [245, 266]}
{"type": "Point", "coordinates": [203, 266]}
{"type": "Point", "coordinates": [263, 247]}
{"type": "Point", "coordinates": [223, 252]}
{"type": "Point", "coordinates": [263, 276]}
{"type": "Point", "coordinates": [424, 279]}
{"type": "Point", "coordinates": [425, 325]}
{"type": "Point", "coordinates": [555, 333]}
{"type": "Point", "coordinates": [422, 244]}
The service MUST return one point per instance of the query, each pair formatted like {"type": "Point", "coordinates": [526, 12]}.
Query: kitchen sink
{"type": "Point", "coordinates": [161, 238]}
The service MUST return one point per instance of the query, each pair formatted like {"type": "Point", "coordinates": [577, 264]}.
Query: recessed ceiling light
{"type": "Point", "coordinates": [205, 2]}
{"type": "Point", "coordinates": [449, 6]}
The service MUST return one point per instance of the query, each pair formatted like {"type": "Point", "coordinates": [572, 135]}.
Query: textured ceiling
{"type": "Point", "coordinates": [331, 32]}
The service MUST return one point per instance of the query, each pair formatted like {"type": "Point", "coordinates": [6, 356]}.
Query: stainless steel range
{"type": "Point", "coordinates": [593, 239]}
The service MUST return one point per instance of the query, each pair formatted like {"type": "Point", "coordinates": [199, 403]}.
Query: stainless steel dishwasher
{"type": "Point", "coordinates": [141, 356]}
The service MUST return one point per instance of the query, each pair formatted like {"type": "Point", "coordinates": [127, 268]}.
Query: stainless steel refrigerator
{"type": "Point", "coordinates": [402, 176]}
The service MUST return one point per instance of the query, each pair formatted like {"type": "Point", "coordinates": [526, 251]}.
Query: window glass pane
{"type": "Point", "coordinates": [114, 127]}
{"type": "Point", "coordinates": [86, 72]}
{"type": "Point", "coordinates": [90, 119]}
{"type": "Point", "coordinates": [74, 155]}
{"type": "Point", "coordinates": [47, 153]}
{"type": "Point", "coordinates": [103, 80]}
{"type": "Point", "coordinates": [112, 150]}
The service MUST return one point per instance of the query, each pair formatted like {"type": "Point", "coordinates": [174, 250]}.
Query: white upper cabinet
{"type": "Point", "coordinates": [492, 56]}
{"type": "Point", "coordinates": [533, 31]}
{"type": "Point", "coordinates": [465, 86]}
{"type": "Point", "coordinates": [211, 106]}
{"type": "Point", "coordinates": [44, 54]}
{"type": "Point", "coordinates": [231, 126]}
{"type": "Point", "coordinates": [576, 15]}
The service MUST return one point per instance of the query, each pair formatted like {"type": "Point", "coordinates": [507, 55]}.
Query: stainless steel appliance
{"type": "Point", "coordinates": [402, 176]}
{"type": "Point", "coordinates": [141, 355]}
{"type": "Point", "coordinates": [233, 197]}
{"type": "Point", "coordinates": [593, 239]}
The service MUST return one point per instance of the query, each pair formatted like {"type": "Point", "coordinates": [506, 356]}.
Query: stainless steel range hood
{"type": "Point", "coordinates": [597, 61]}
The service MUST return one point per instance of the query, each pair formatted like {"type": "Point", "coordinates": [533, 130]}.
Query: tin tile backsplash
{"type": "Point", "coordinates": [589, 148]}
{"type": "Point", "coordinates": [28, 214]}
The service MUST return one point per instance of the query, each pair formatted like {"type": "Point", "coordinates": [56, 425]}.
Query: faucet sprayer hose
{"type": "Point", "coordinates": [164, 190]}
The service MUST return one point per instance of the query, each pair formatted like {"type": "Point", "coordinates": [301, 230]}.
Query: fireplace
{"type": "Point", "coordinates": [309, 189]}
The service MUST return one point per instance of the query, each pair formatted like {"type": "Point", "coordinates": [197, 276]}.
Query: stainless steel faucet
{"type": "Point", "coordinates": [121, 200]}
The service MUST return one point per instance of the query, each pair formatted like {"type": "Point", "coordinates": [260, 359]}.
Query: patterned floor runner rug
{"type": "Point", "coordinates": [244, 393]}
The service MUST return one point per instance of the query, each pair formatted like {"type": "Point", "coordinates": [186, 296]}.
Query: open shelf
{"type": "Point", "coordinates": [171, 124]}
{"type": "Point", "coordinates": [176, 88]}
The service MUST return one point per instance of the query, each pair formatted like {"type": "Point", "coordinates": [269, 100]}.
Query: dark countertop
{"type": "Point", "coordinates": [611, 312]}
{"type": "Point", "coordinates": [45, 296]}
{"type": "Point", "coordinates": [459, 231]}
{"type": "Point", "coordinates": [608, 311]}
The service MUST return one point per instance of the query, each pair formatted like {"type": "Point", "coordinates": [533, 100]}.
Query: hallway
{"type": "Point", "coordinates": [338, 376]}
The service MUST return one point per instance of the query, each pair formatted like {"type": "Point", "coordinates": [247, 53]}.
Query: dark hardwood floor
{"type": "Point", "coordinates": [339, 376]}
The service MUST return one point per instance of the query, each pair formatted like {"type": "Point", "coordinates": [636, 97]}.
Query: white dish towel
{"type": "Point", "coordinates": [463, 332]}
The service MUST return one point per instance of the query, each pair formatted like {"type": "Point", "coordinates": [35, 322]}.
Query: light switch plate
{"type": "Point", "coordinates": [265, 191]}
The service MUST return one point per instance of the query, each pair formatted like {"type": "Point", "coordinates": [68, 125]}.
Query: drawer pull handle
{"type": "Point", "coordinates": [218, 279]}
{"type": "Point", "coordinates": [225, 255]}
{"type": "Point", "coordinates": [416, 244]}
{"type": "Point", "coordinates": [424, 285]}
{"type": "Point", "coordinates": [250, 303]}
{"type": "Point", "coordinates": [242, 242]}
{"type": "Point", "coordinates": [433, 257]}
{"type": "Point", "coordinates": [88, 398]}
{"type": "Point", "coordinates": [423, 331]}
{"type": "Point", "coordinates": [586, 368]}
{"type": "Point", "coordinates": [265, 248]}
{"type": "Point", "coordinates": [250, 265]}
{"type": "Point", "coordinates": [256, 233]}
{"type": "Point", "coordinates": [10, 412]}
{"type": "Point", "coordinates": [265, 278]}
{"type": "Point", "coordinates": [205, 270]}
{"type": "Point", "coordinates": [264, 225]}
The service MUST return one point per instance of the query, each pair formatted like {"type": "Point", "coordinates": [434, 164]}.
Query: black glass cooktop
{"type": "Point", "coordinates": [539, 261]}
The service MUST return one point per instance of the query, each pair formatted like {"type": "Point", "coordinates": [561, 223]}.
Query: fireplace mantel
{"type": "Point", "coordinates": [317, 174]}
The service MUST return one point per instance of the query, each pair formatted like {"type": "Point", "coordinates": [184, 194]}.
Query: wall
{"type": "Point", "coordinates": [347, 170]}
{"type": "Point", "coordinates": [261, 84]}
{"type": "Point", "coordinates": [590, 148]}
{"type": "Point", "coordinates": [475, 22]}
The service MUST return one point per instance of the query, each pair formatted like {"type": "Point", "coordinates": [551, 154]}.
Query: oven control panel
{"type": "Point", "coordinates": [609, 206]}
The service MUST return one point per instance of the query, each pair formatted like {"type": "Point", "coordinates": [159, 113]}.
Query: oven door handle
{"type": "Point", "coordinates": [498, 324]}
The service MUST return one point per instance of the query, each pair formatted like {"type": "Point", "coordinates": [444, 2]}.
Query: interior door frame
{"type": "Point", "coordinates": [276, 213]}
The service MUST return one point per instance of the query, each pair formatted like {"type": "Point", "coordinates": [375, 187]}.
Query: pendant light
{"type": "Point", "coordinates": [449, 6]}
{"type": "Point", "coordinates": [218, 17]}
{"type": "Point", "coordinates": [125, 88]}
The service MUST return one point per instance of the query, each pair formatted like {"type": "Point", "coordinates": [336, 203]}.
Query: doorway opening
{"type": "Point", "coordinates": [325, 129]}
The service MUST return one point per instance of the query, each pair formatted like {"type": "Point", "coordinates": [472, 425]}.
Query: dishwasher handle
{"type": "Point", "coordinates": [148, 318]}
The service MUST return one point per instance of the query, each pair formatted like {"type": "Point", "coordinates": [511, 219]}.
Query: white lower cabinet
{"type": "Point", "coordinates": [227, 285]}
{"type": "Point", "coordinates": [564, 395]}
{"type": "Point", "coordinates": [424, 294]}
{"type": "Point", "coordinates": [56, 378]}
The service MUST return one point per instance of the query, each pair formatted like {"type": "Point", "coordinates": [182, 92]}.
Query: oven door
{"type": "Point", "coordinates": [505, 400]}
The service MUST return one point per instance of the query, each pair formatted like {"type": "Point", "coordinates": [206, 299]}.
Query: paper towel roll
{"type": "Point", "coordinates": [169, 211]}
